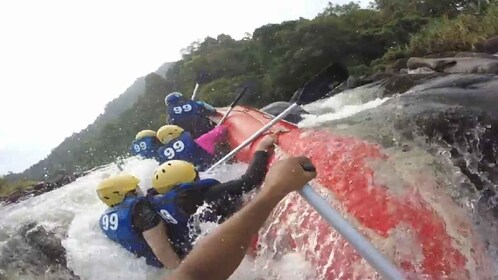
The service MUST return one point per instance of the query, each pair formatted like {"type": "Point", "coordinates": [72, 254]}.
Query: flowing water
{"type": "Point", "coordinates": [71, 213]}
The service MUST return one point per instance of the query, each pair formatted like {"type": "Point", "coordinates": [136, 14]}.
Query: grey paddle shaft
{"type": "Point", "coordinates": [356, 239]}
{"type": "Point", "coordinates": [237, 99]}
{"type": "Point", "coordinates": [225, 116]}
{"type": "Point", "coordinates": [256, 135]}
{"type": "Point", "coordinates": [195, 91]}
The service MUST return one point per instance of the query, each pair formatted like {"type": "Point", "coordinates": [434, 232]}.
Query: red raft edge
{"type": "Point", "coordinates": [342, 169]}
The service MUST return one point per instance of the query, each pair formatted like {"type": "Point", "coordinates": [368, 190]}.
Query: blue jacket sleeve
{"type": "Point", "coordinates": [206, 106]}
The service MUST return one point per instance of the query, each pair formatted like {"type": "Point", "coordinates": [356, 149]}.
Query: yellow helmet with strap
{"type": "Point", "coordinates": [172, 173]}
{"type": "Point", "coordinates": [169, 132]}
{"type": "Point", "coordinates": [145, 133]}
{"type": "Point", "coordinates": [113, 190]}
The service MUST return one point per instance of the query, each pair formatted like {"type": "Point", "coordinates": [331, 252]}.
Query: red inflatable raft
{"type": "Point", "coordinates": [422, 238]}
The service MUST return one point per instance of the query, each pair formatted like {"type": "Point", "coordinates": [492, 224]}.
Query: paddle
{"type": "Point", "coordinates": [356, 239]}
{"type": "Point", "coordinates": [195, 91]}
{"type": "Point", "coordinates": [200, 78]}
{"type": "Point", "coordinates": [232, 105]}
{"type": "Point", "coordinates": [313, 90]}
{"type": "Point", "coordinates": [316, 88]}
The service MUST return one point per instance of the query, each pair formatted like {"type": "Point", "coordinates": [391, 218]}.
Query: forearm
{"type": "Point", "coordinates": [257, 169]}
{"type": "Point", "coordinates": [157, 238]}
{"type": "Point", "coordinates": [253, 177]}
{"type": "Point", "coordinates": [225, 247]}
{"type": "Point", "coordinates": [210, 109]}
{"type": "Point", "coordinates": [166, 255]}
{"type": "Point", "coordinates": [148, 223]}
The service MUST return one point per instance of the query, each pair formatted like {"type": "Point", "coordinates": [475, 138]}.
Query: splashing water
{"type": "Point", "coordinates": [341, 111]}
{"type": "Point", "coordinates": [74, 210]}
{"type": "Point", "coordinates": [72, 213]}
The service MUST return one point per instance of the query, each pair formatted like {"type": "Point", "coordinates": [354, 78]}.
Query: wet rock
{"type": "Point", "coordinates": [40, 186]}
{"type": "Point", "coordinates": [400, 83]}
{"type": "Point", "coordinates": [34, 253]}
{"type": "Point", "coordinates": [435, 64]}
{"type": "Point", "coordinates": [458, 81]}
{"type": "Point", "coordinates": [278, 107]}
{"type": "Point", "coordinates": [441, 55]}
{"type": "Point", "coordinates": [353, 82]}
{"type": "Point", "coordinates": [454, 118]}
{"type": "Point", "coordinates": [379, 76]}
{"type": "Point", "coordinates": [14, 196]}
{"type": "Point", "coordinates": [452, 113]}
{"type": "Point", "coordinates": [473, 54]}
{"type": "Point", "coordinates": [399, 64]}
{"type": "Point", "coordinates": [489, 46]}
{"type": "Point", "coordinates": [38, 189]}
{"type": "Point", "coordinates": [470, 65]}
{"type": "Point", "coordinates": [487, 204]}
{"type": "Point", "coordinates": [38, 237]}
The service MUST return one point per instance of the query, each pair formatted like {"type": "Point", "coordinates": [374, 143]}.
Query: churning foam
{"type": "Point", "coordinates": [74, 210]}
{"type": "Point", "coordinates": [341, 110]}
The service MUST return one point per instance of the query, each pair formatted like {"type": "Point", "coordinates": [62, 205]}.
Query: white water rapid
{"type": "Point", "coordinates": [72, 212]}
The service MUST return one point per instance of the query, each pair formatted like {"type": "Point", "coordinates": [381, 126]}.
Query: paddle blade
{"type": "Point", "coordinates": [244, 90]}
{"type": "Point", "coordinates": [321, 84]}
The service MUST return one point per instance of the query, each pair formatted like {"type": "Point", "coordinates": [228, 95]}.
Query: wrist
{"type": "Point", "coordinates": [269, 194]}
{"type": "Point", "coordinates": [260, 149]}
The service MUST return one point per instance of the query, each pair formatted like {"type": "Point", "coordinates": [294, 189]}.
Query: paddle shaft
{"type": "Point", "coordinates": [194, 93]}
{"type": "Point", "coordinates": [356, 239]}
{"type": "Point", "coordinates": [225, 116]}
{"type": "Point", "coordinates": [255, 135]}
{"type": "Point", "coordinates": [232, 106]}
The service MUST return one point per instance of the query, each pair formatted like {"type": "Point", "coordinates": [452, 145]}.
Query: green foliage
{"type": "Point", "coordinates": [395, 53]}
{"type": "Point", "coordinates": [274, 61]}
{"type": "Point", "coordinates": [431, 8]}
{"type": "Point", "coordinates": [6, 188]}
{"type": "Point", "coordinates": [459, 34]}
{"type": "Point", "coordinates": [360, 70]}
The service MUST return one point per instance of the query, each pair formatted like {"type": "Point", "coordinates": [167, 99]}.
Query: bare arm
{"type": "Point", "coordinates": [221, 251]}
{"type": "Point", "coordinates": [150, 225]}
{"type": "Point", "coordinates": [157, 238]}
{"type": "Point", "coordinates": [227, 243]}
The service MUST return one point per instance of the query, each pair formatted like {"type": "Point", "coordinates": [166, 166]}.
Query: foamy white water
{"type": "Point", "coordinates": [76, 209]}
{"type": "Point", "coordinates": [320, 111]}
{"type": "Point", "coordinates": [73, 211]}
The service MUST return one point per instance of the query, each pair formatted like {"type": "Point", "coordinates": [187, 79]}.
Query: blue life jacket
{"type": "Point", "coordinates": [185, 148]}
{"type": "Point", "coordinates": [191, 116]}
{"type": "Point", "coordinates": [145, 147]}
{"type": "Point", "coordinates": [181, 233]}
{"type": "Point", "coordinates": [116, 223]}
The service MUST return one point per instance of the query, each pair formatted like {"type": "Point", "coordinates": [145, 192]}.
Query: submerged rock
{"type": "Point", "coordinates": [278, 107]}
{"type": "Point", "coordinates": [34, 253]}
{"type": "Point", "coordinates": [489, 46]}
{"type": "Point", "coordinates": [453, 117]}
{"type": "Point", "coordinates": [474, 54]}
{"type": "Point", "coordinates": [38, 189]}
{"type": "Point", "coordinates": [470, 65]}
{"type": "Point", "coordinates": [453, 110]}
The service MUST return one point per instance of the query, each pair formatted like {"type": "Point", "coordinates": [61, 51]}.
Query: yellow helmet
{"type": "Point", "coordinates": [145, 133]}
{"type": "Point", "coordinates": [113, 190]}
{"type": "Point", "coordinates": [168, 132]}
{"type": "Point", "coordinates": [172, 173]}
